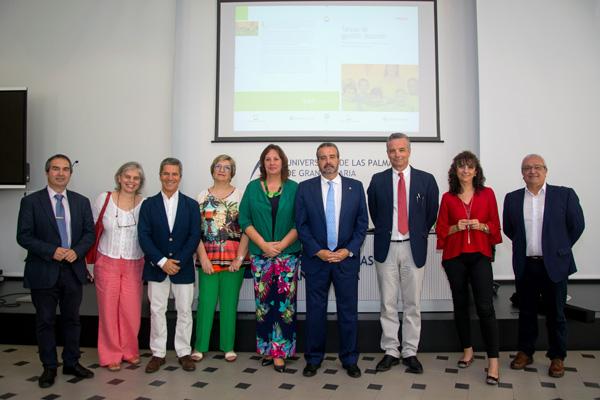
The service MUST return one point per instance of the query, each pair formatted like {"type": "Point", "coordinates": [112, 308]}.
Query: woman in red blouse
{"type": "Point", "coordinates": [467, 228]}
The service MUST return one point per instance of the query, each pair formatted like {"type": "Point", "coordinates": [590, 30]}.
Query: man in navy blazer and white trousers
{"type": "Point", "coordinates": [403, 202]}
{"type": "Point", "coordinates": [544, 222]}
{"type": "Point", "coordinates": [56, 228]}
{"type": "Point", "coordinates": [332, 221]}
{"type": "Point", "coordinates": [169, 233]}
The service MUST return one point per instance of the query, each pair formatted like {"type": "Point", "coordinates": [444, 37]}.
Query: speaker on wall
{"type": "Point", "coordinates": [13, 134]}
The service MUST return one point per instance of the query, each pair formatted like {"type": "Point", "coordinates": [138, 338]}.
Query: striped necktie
{"type": "Point", "coordinates": [61, 221]}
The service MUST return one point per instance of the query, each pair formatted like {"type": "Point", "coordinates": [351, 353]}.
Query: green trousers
{"type": "Point", "coordinates": [224, 288]}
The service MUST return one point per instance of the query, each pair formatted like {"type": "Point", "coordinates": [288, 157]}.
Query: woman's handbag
{"type": "Point", "coordinates": [92, 254]}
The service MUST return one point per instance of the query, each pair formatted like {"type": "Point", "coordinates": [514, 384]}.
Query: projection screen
{"type": "Point", "coordinates": [343, 71]}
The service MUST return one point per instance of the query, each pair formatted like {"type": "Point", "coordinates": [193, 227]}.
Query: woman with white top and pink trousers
{"type": "Point", "coordinates": [118, 270]}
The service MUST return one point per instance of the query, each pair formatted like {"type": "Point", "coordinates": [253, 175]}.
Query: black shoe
{"type": "Point", "coordinates": [310, 370]}
{"type": "Point", "coordinates": [279, 368]}
{"type": "Point", "coordinates": [47, 378]}
{"type": "Point", "coordinates": [413, 364]}
{"type": "Point", "coordinates": [386, 363]}
{"type": "Point", "coordinates": [78, 370]}
{"type": "Point", "coordinates": [492, 380]}
{"type": "Point", "coordinates": [266, 361]}
{"type": "Point", "coordinates": [352, 370]}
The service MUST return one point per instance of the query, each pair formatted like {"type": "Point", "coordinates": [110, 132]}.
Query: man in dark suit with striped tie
{"type": "Point", "coordinates": [56, 228]}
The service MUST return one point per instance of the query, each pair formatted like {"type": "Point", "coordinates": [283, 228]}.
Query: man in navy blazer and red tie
{"type": "Point", "coordinates": [169, 233]}
{"type": "Point", "coordinates": [332, 221]}
{"type": "Point", "coordinates": [56, 228]}
{"type": "Point", "coordinates": [403, 202]}
{"type": "Point", "coordinates": [544, 222]}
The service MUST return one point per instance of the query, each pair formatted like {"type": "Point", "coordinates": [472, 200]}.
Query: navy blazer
{"type": "Point", "coordinates": [312, 226]}
{"type": "Point", "coordinates": [563, 224]}
{"type": "Point", "coordinates": [422, 212]}
{"type": "Point", "coordinates": [157, 241]}
{"type": "Point", "coordinates": [37, 232]}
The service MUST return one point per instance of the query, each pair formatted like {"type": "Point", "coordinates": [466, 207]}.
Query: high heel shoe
{"type": "Point", "coordinates": [490, 379]}
{"type": "Point", "coordinates": [464, 363]}
{"type": "Point", "coordinates": [266, 361]}
{"type": "Point", "coordinates": [279, 368]}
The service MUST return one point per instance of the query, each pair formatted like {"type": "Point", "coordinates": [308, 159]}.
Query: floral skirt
{"type": "Point", "coordinates": [275, 284]}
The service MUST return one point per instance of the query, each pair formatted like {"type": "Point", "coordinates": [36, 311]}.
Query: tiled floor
{"type": "Point", "coordinates": [246, 379]}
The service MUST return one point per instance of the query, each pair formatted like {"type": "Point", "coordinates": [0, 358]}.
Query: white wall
{"type": "Point", "coordinates": [99, 75]}
{"type": "Point", "coordinates": [539, 63]}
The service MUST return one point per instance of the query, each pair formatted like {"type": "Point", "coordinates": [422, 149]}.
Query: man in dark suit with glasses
{"type": "Point", "coordinates": [56, 228]}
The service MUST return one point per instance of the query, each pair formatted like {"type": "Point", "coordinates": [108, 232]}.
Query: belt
{"type": "Point", "coordinates": [400, 241]}
{"type": "Point", "coordinates": [535, 258]}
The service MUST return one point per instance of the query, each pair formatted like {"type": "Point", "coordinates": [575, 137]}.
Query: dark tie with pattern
{"type": "Point", "coordinates": [61, 221]}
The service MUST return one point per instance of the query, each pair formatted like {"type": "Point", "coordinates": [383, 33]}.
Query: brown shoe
{"type": "Point", "coordinates": [154, 364]}
{"type": "Point", "coordinates": [557, 368]}
{"type": "Point", "coordinates": [520, 361]}
{"type": "Point", "coordinates": [187, 363]}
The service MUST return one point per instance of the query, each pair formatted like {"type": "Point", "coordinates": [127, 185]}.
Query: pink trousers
{"type": "Point", "coordinates": [119, 296]}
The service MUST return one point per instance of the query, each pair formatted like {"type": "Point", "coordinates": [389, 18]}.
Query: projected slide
{"type": "Point", "coordinates": [289, 70]}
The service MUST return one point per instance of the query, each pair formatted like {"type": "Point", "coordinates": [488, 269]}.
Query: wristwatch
{"type": "Point", "coordinates": [350, 254]}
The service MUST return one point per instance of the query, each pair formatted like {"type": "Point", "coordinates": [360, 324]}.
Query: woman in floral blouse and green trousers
{"type": "Point", "coordinates": [220, 255]}
{"type": "Point", "coordinates": [267, 217]}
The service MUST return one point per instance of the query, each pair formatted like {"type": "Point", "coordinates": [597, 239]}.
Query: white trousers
{"type": "Point", "coordinates": [399, 273]}
{"type": "Point", "coordinates": [158, 294]}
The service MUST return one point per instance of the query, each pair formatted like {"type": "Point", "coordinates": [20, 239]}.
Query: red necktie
{"type": "Point", "coordinates": [402, 209]}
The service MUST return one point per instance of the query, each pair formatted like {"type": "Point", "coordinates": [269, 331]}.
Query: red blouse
{"type": "Point", "coordinates": [484, 208]}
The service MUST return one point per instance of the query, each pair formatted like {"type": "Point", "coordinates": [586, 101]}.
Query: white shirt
{"type": "Point", "coordinates": [118, 242]}
{"type": "Point", "coordinates": [65, 202]}
{"type": "Point", "coordinates": [533, 216]}
{"type": "Point", "coordinates": [171, 207]}
{"type": "Point", "coordinates": [337, 191]}
{"type": "Point", "coordinates": [396, 235]}
{"type": "Point", "coordinates": [171, 210]}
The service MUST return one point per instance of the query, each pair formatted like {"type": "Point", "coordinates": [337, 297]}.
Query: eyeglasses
{"type": "Point", "coordinates": [222, 167]}
{"type": "Point", "coordinates": [129, 219]}
{"type": "Point", "coordinates": [536, 168]}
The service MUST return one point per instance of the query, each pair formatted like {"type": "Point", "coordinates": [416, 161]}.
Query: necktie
{"type": "Point", "coordinates": [61, 221]}
{"type": "Point", "coordinates": [402, 209]}
{"type": "Point", "coordinates": [330, 217]}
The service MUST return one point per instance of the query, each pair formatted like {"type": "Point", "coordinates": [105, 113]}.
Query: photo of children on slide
{"type": "Point", "coordinates": [380, 87]}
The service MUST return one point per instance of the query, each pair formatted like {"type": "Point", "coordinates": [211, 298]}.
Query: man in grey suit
{"type": "Point", "coordinates": [403, 202]}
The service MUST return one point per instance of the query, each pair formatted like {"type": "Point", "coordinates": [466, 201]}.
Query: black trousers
{"type": "Point", "coordinates": [534, 283]}
{"type": "Point", "coordinates": [474, 269]}
{"type": "Point", "coordinates": [67, 294]}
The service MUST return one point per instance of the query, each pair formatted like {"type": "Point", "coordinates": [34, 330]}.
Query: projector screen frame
{"type": "Point", "coordinates": [339, 138]}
